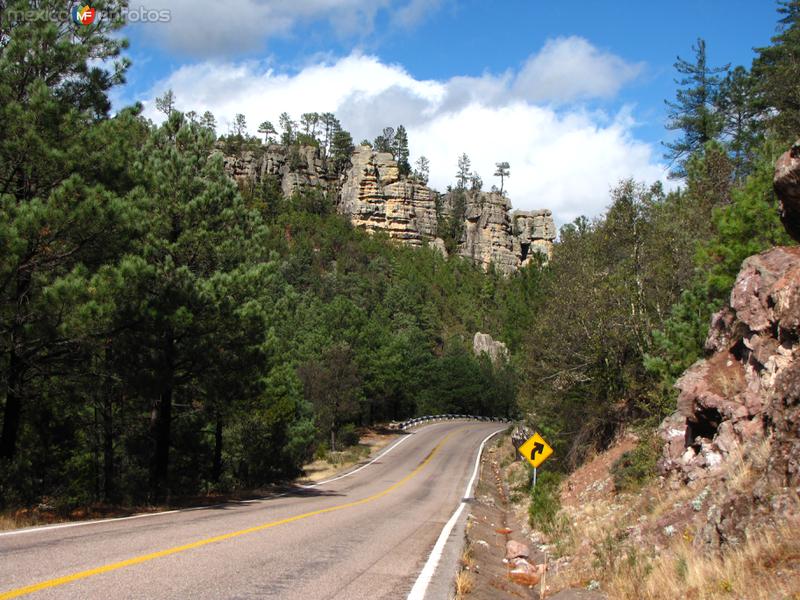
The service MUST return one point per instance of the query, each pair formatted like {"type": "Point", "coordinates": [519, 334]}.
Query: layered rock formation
{"type": "Point", "coordinates": [493, 236]}
{"type": "Point", "coordinates": [374, 195]}
{"type": "Point", "coordinates": [297, 168]}
{"type": "Point", "coordinates": [534, 231]}
{"type": "Point", "coordinates": [488, 235]}
{"type": "Point", "coordinates": [743, 400]}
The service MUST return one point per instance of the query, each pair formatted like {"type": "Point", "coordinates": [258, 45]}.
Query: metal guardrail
{"type": "Point", "coordinates": [433, 418]}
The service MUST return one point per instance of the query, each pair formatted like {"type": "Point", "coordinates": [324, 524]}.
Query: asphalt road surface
{"type": "Point", "coordinates": [366, 535]}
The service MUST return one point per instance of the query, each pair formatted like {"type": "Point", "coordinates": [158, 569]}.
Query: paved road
{"type": "Point", "coordinates": [366, 535]}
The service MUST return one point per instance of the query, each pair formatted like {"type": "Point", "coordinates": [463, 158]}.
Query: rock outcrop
{"type": "Point", "coordinates": [488, 236]}
{"type": "Point", "coordinates": [374, 195]}
{"type": "Point", "coordinates": [297, 168]}
{"type": "Point", "coordinates": [749, 386]}
{"type": "Point", "coordinates": [533, 231]}
{"type": "Point", "coordinates": [493, 236]}
{"type": "Point", "coordinates": [743, 399]}
{"type": "Point", "coordinates": [483, 343]}
{"type": "Point", "coordinates": [787, 186]}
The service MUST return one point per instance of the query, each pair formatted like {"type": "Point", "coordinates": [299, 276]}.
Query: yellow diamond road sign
{"type": "Point", "coordinates": [536, 450]}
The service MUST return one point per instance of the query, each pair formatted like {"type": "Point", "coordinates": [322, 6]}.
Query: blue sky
{"type": "Point", "coordinates": [570, 92]}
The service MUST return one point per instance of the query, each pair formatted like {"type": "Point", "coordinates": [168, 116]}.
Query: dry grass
{"type": "Point", "coordinates": [465, 583]}
{"type": "Point", "coordinates": [764, 567]}
{"type": "Point", "coordinates": [334, 463]}
{"type": "Point", "coordinates": [467, 559]}
{"type": "Point", "coordinates": [620, 543]}
{"type": "Point", "coordinates": [746, 464]}
{"type": "Point", "coordinates": [8, 521]}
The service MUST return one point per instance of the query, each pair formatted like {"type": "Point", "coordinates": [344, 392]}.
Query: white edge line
{"type": "Point", "coordinates": [364, 466]}
{"type": "Point", "coordinates": [426, 575]}
{"type": "Point", "coordinates": [180, 510]}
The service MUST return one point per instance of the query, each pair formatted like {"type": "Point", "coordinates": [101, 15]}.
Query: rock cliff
{"type": "Point", "coordinates": [297, 168]}
{"type": "Point", "coordinates": [741, 404]}
{"type": "Point", "coordinates": [374, 195]}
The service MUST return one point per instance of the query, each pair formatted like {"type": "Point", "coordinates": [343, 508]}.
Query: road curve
{"type": "Point", "coordinates": [366, 535]}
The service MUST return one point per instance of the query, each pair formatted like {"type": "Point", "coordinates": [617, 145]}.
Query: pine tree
{"type": "Point", "coordinates": [475, 182]}
{"type": "Point", "coordinates": [341, 150]}
{"type": "Point", "coordinates": [239, 125]}
{"type": "Point", "coordinates": [209, 121]}
{"type": "Point", "coordinates": [401, 150]}
{"type": "Point", "coordinates": [694, 111]}
{"type": "Point", "coordinates": [737, 103]}
{"type": "Point", "coordinates": [330, 125]}
{"type": "Point", "coordinates": [289, 127]}
{"type": "Point", "coordinates": [51, 218]}
{"type": "Point", "coordinates": [385, 142]}
{"type": "Point", "coordinates": [309, 122]}
{"type": "Point", "coordinates": [463, 173]}
{"type": "Point", "coordinates": [268, 129]}
{"type": "Point", "coordinates": [502, 171]}
{"type": "Point", "coordinates": [199, 232]}
{"type": "Point", "coordinates": [776, 70]}
{"type": "Point", "coordinates": [423, 169]}
{"type": "Point", "coordinates": [166, 103]}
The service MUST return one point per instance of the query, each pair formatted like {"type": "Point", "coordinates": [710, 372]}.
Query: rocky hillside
{"type": "Point", "coordinates": [746, 393]}
{"type": "Point", "coordinates": [720, 520]}
{"type": "Point", "coordinates": [375, 196]}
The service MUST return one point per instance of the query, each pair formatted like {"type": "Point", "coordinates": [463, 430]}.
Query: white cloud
{"type": "Point", "coordinates": [565, 162]}
{"type": "Point", "coordinates": [563, 158]}
{"type": "Point", "coordinates": [415, 11]}
{"type": "Point", "coordinates": [570, 68]}
{"type": "Point", "coordinates": [206, 28]}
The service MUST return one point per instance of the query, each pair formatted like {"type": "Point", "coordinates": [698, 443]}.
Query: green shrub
{"type": "Point", "coordinates": [635, 467]}
{"type": "Point", "coordinates": [545, 502]}
{"type": "Point", "coordinates": [348, 436]}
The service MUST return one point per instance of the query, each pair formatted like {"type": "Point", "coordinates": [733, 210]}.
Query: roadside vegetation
{"type": "Point", "coordinates": [628, 296]}
{"type": "Point", "coordinates": [165, 333]}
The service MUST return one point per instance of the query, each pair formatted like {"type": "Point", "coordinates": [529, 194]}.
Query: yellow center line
{"type": "Point", "coordinates": [50, 583]}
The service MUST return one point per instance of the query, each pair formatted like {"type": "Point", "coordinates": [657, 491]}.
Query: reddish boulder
{"type": "Point", "coordinates": [516, 550]}
{"type": "Point", "coordinates": [749, 376]}
{"type": "Point", "coordinates": [787, 186]}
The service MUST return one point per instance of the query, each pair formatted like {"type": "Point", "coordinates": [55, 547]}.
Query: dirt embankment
{"type": "Point", "coordinates": [648, 543]}
{"type": "Point", "coordinates": [503, 559]}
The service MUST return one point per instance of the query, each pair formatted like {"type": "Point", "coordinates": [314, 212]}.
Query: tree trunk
{"type": "Point", "coordinates": [12, 413]}
{"type": "Point", "coordinates": [13, 408]}
{"type": "Point", "coordinates": [216, 471]}
{"type": "Point", "coordinates": [109, 480]}
{"type": "Point", "coordinates": [161, 421]}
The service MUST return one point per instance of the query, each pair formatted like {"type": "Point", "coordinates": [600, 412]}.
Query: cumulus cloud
{"type": "Point", "coordinates": [570, 68]}
{"type": "Point", "coordinates": [563, 156]}
{"type": "Point", "coordinates": [206, 28]}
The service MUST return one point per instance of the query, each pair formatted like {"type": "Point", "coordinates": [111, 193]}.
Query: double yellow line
{"type": "Point", "coordinates": [51, 583]}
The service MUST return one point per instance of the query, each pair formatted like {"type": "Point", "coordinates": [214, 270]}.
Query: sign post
{"type": "Point", "coordinates": [535, 450]}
